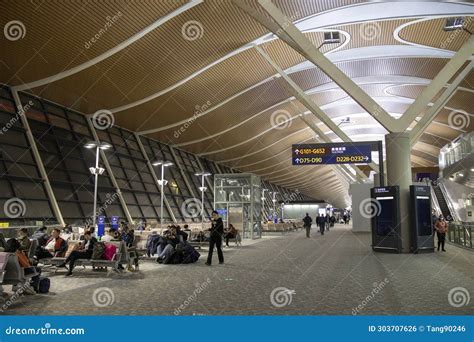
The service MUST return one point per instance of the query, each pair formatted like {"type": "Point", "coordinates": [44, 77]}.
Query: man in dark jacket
{"type": "Point", "coordinates": [85, 253]}
{"type": "Point", "coordinates": [217, 230]}
{"type": "Point", "coordinates": [56, 246]}
{"type": "Point", "coordinates": [322, 224]}
{"type": "Point", "coordinates": [307, 220]}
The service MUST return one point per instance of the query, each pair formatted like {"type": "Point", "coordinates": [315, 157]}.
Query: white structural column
{"type": "Point", "coordinates": [39, 162]}
{"type": "Point", "coordinates": [301, 96]}
{"type": "Point", "coordinates": [429, 116]}
{"type": "Point", "coordinates": [155, 178]}
{"type": "Point", "coordinates": [288, 32]}
{"type": "Point", "coordinates": [398, 149]}
{"type": "Point", "coordinates": [110, 173]}
{"type": "Point", "coordinates": [438, 83]}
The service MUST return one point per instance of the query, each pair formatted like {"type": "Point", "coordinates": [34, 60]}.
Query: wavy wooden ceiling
{"type": "Point", "coordinates": [55, 41]}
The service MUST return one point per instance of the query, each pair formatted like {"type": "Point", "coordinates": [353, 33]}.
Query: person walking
{"type": "Point", "coordinates": [307, 220]}
{"type": "Point", "coordinates": [322, 224]}
{"type": "Point", "coordinates": [217, 230]}
{"type": "Point", "coordinates": [441, 227]}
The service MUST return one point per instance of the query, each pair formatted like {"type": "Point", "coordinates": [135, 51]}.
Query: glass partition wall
{"type": "Point", "coordinates": [237, 198]}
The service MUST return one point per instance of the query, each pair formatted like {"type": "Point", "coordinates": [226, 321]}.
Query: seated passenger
{"type": "Point", "coordinates": [170, 241]}
{"type": "Point", "coordinates": [41, 236]}
{"type": "Point", "coordinates": [108, 236]}
{"type": "Point", "coordinates": [14, 246]}
{"type": "Point", "coordinates": [24, 241]}
{"type": "Point", "coordinates": [230, 233]}
{"type": "Point", "coordinates": [183, 236]}
{"type": "Point", "coordinates": [55, 247]}
{"type": "Point", "coordinates": [84, 253]}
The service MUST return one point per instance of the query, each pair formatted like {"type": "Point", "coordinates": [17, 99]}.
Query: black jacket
{"type": "Point", "coordinates": [92, 242]}
{"type": "Point", "coordinates": [307, 220]}
{"type": "Point", "coordinates": [217, 228]}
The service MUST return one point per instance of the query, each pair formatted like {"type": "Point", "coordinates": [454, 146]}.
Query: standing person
{"type": "Point", "coordinates": [441, 227]}
{"type": "Point", "coordinates": [217, 230]}
{"type": "Point", "coordinates": [307, 220]}
{"type": "Point", "coordinates": [322, 224]}
{"type": "Point", "coordinates": [434, 218]}
{"type": "Point", "coordinates": [332, 221]}
{"type": "Point", "coordinates": [328, 218]}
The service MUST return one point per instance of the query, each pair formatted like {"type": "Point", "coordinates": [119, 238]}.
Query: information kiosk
{"type": "Point", "coordinates": [386, 219]}
{"type": "Point", "coordinates": [422, 239]}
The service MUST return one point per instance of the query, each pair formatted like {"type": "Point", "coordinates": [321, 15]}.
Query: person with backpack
{"type": "Point", "coordinates": [307, 220]}
{"type": "Point", "coordinates": [84, 253]}
{"type": "Point", "coordinates": [217, 230]}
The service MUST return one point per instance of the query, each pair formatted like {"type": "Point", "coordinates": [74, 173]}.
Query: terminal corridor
{"type": "Point", "coordinates": [334, 274]}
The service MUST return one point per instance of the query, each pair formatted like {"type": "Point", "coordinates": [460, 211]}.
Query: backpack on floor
{"type": "Point", "coordinates": [98, 251]}
{"type": "Point", "coordinates": [190, 254]}
{"type": "Point", "coordinates": [40, 284]}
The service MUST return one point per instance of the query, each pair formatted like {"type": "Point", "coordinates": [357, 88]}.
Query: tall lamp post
{"type": "Point", "coordinates": [202, 188]}
{"type": "Point", "coordinates": [96, 171]}
{"type": "Point", "coordinates": [274, 204]}
{"type": "Point", "coordinates": [162, 183]}
{"type": "Point", "coordinates": [263, 203]}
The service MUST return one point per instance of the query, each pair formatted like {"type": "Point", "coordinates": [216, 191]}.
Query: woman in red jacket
{"type": "Point", "coordinates": [441, 227]}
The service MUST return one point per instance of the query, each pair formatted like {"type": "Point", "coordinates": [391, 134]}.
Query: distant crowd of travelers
{"type": "Point", "coordinates": [323, 222]}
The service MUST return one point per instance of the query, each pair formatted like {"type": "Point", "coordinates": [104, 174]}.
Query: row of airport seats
{"type": "Point", "coordinates": [282, 227]}
{"type": "Point", "coordinates": [122, 257]}
{"type": "Point", "coordinates": [11, 273]}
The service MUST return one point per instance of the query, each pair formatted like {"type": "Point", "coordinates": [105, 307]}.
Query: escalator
{"type": "Point", "coordinates": [443, 205]}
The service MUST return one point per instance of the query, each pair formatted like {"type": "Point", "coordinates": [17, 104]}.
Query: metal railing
{"type": "Point", "coordinates": [460, 233]}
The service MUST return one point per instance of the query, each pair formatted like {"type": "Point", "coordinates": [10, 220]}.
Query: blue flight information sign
{"type": "Point", "coordinates": [332, 153]}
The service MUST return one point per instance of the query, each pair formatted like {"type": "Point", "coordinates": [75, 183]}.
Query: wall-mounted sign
{"type": "Point", "coordinates": [332, 153]}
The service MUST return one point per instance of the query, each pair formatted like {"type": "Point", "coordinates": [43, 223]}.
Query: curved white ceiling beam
{"type": "Point", "coordinates": [110, 52]}
{"type": "Point", "coordinates": [367, 80]}
{"type": "Point", "coordinates": [339, 57]}
{"type": "Point", "coordinates": [276, 142]}
{"type": "Point", "coordinates": [373, 11]}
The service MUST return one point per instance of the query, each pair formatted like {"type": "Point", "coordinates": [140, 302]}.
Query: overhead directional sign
{"type": "Point", "coordinates": [332, 153]}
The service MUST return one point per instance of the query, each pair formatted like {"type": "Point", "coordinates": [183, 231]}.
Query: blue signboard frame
{"type": "Point", "coordinates": [100, 225]}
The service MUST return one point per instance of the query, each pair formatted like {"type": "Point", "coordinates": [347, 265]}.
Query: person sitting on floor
{"type": "Point", "coordinates": [183, 236]}
{"type": "Point", "coordinates": [24, 241]}
{"type": "Point", "coordinates": [230, 233]}
{"type": "Point", "coordinates": [85, 253]}
{"type": "Point", "coordinates": [56, 246]}
{"type": "Point", "coordinates": [170, 240]}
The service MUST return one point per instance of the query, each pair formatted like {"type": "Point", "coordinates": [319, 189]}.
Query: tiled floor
{"type": "Point", "coordinates": [334, 274]}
